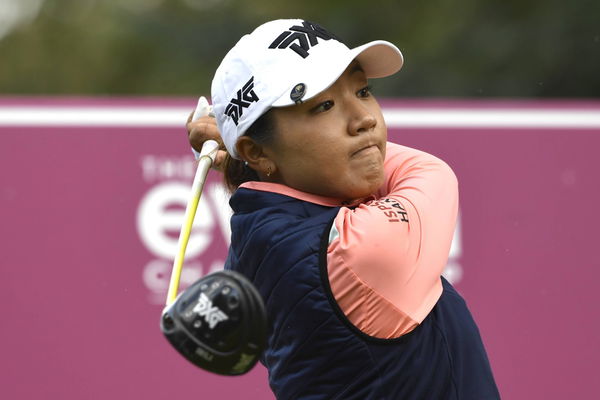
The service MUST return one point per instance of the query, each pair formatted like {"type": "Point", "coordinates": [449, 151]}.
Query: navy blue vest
{"type": "Point", "coordinates": [313, 351]}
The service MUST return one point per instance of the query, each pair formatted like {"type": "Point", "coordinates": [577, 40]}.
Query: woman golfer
{"type": "Point", "coordinates": [344, 234]}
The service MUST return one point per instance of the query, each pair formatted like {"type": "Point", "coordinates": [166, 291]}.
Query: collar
{"type": "Point", "coordinates": [297, 194]}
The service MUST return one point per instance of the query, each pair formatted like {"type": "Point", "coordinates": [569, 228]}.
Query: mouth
{"type": "Point", "coordinates": [365, 150]}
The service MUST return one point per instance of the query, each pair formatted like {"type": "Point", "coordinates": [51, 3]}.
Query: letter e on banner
{"type": "Point", "coordinates": [160, 215]}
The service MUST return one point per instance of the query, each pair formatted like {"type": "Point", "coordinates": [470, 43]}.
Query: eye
{"type": "Point", "coordinates": [364, 92]}
{"type": "Point", "coordinates": [324, 106]}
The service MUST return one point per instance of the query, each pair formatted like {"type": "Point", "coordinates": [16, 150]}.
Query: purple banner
{"type": "Point", "coordinates": [92, 195]}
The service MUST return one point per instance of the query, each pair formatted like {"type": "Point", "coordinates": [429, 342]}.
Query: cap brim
{"type": "Point", "coordinates": [378, 59]}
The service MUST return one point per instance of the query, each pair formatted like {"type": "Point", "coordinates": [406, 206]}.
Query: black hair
{"type": "Point", "coordinates": [236, 172]}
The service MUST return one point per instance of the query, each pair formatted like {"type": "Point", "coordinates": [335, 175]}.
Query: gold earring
{"type": "Point", "coordinates": [269, 171]}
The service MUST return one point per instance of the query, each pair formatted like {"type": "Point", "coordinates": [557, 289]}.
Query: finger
{"type": "Point", "coordinates": [190, 125]}
{"type": "Point", "coordinates": [219, 160]}
{"type": "Point", "coordinates": [201, 132]}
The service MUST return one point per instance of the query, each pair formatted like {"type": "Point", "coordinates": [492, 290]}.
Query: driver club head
{"type": "Point", "coordinates": [218, 324]}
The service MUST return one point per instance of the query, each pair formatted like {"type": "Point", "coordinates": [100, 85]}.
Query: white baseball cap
{"type": "Point", "coordinates": [285, 62]}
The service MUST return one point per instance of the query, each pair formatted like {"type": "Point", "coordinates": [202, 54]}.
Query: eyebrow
{"type": "Point", "coordinates": [355, 67]}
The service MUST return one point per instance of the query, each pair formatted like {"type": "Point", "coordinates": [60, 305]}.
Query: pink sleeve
{"type": "Point", "coordinates": [386, 256]}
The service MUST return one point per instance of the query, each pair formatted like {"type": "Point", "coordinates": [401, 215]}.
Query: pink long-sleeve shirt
{"type": "Point", "coordinates": [386, 254]}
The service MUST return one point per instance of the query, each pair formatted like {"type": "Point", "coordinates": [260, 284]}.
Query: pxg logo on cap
{"type": "Point", "coordinates": [245, 96]}
{"type": "Point", "coordinates": [306, 35]}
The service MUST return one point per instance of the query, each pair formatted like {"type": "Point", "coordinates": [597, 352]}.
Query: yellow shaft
{"type": "Point", "coordinates": [190, 212]}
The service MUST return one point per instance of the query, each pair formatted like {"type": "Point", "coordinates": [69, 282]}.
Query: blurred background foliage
{"type": "Point", "coordinates": [453, 48]}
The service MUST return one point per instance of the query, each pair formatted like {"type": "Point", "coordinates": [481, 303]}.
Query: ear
{"type": "Point", "coordinates": [254, 154]}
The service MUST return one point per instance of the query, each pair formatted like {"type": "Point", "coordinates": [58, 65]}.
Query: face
{"type": "Point", "coordinates": [334, 144]}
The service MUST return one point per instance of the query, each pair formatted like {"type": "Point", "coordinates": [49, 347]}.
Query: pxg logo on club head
{"type": "Point", "coordinates": [218, 324]}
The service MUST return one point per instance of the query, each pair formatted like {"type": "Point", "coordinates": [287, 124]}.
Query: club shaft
{"type": "Point", "coordinates": [204, 164]}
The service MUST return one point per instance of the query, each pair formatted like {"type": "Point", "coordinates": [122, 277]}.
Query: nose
{"type": "Point", "coordinates": [361, 117]}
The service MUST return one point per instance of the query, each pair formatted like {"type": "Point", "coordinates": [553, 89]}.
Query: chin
{"type": "Point", "coordinates": [367, 188]}
{"type": "Point", "coordinates": [361, 183]}
{"type": "Point", "coordinates": [375, 181]}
